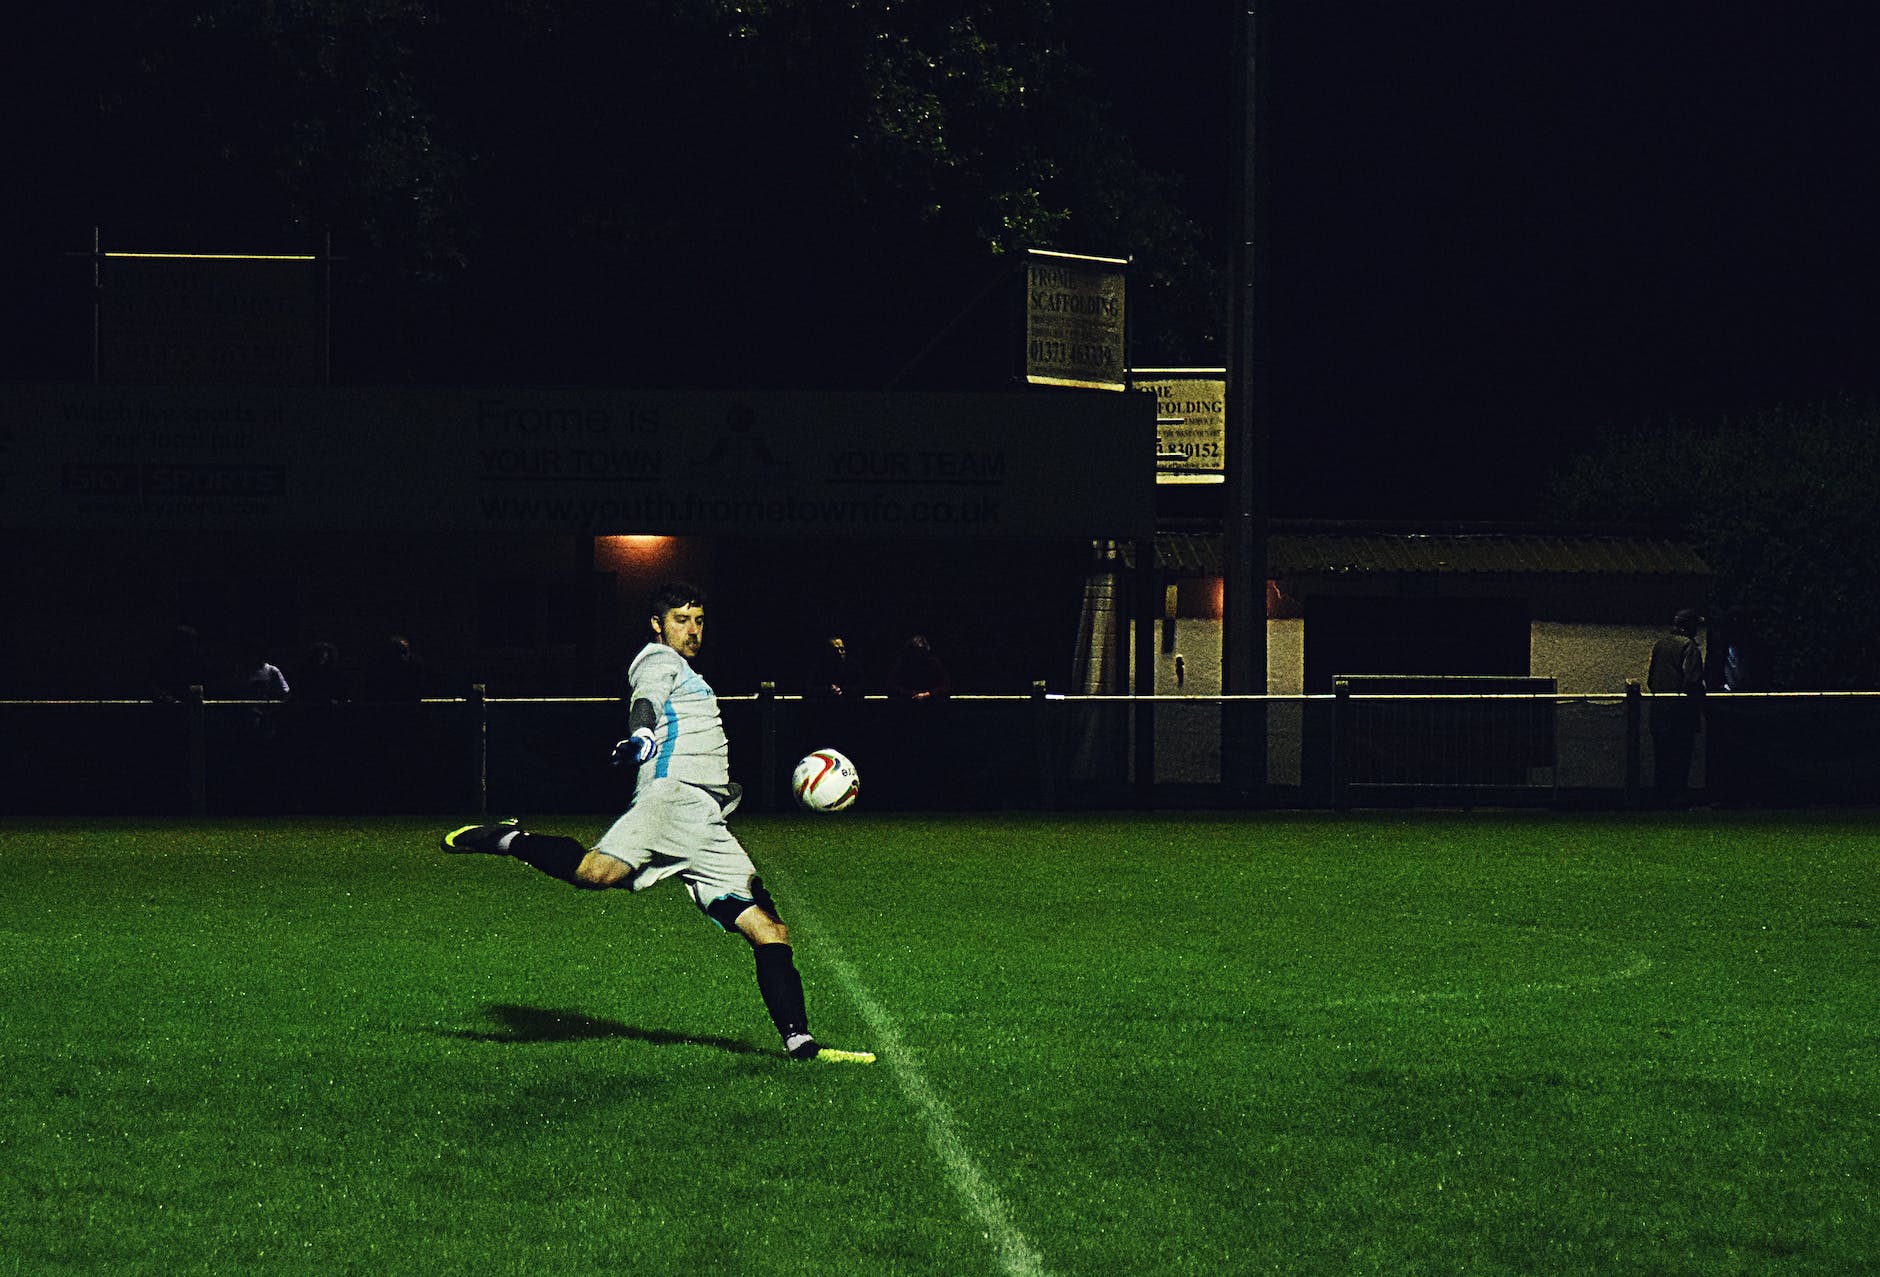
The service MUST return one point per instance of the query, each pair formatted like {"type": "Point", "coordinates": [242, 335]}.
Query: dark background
{"type": "Point", "coordinates": [1495, 230]}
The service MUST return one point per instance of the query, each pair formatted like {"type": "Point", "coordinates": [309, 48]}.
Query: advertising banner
{"type": "Point", "coordinates": [1074, 321]}
{"type": "Point", "coordinates": [604, 461]}
{"type": "Point", "coordinates": [211, 319]}
{"type": "Point", "coordinates": [1190, 414]}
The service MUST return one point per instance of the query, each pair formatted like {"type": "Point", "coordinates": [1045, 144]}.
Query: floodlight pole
{"type": "Point", "coordinates": [1244, 548]}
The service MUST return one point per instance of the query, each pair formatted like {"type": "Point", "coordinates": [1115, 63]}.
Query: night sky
{"type": "Point", "coordinates": [1497, 228]}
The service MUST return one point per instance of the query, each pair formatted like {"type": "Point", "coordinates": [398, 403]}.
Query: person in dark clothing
{"type": "Point", "coordinates": [399, 675]}
{"type": "Point", "coordinates": [321, 679]}
{"type": "Point", "coordinates": [831, 673]}
{"type": "Point", "coordinates": [922, 771]}
{"type": "Point", "coordinates": [1744, 667]}
{"type": "Point", "coordinates": [918, 674]}
{"type": "Point", "coordinates": [1675, 679]}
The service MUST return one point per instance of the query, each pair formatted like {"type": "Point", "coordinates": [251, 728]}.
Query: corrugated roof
{"type": "Point", "coordinates": [1316, 553]}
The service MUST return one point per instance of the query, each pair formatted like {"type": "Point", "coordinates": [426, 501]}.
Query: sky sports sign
{"type": "Point", "coordinates": [525, 460]}
{"type": "Point", "coordinates": [160, 481]}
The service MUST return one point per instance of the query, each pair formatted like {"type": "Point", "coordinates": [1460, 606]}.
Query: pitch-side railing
{"type": "Point", "coordinates": [1041, 750]}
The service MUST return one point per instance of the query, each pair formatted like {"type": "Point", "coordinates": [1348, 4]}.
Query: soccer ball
{"type": "Point", "coordinates": [825, 781]}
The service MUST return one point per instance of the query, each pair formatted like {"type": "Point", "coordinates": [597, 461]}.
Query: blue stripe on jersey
{"type": "Point", "coordinates": [669, 741]}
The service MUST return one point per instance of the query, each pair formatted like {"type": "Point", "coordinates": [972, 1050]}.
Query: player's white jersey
{"type": "Point", "coordinates": [689, 732]}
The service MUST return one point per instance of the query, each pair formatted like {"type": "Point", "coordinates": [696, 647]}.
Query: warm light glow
{"type": "Point", "coordinates": [642, 553]}
{"type": "Point", "coordinates": [1217, 598]}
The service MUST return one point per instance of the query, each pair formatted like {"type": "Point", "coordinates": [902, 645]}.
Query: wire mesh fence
{"type": "Point", "coordinates": [1038, 752]}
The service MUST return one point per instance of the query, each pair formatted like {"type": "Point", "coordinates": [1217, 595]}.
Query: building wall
{"type": "Point", "coordinates": [1588, 659]}
{"type": "Point", "coordinates": [1585, 659]}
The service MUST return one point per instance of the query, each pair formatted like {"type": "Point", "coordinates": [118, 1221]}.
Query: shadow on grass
{"type": "Point", "coordinates": [518, 1024]}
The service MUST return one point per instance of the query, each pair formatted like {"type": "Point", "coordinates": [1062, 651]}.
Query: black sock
{"type": "Point", "coordinates": [553, 854]}
{"type": "Point", "coordinates": [782, 987]}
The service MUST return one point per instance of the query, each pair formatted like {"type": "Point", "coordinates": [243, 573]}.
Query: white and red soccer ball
{"type": "Point", "coordinates": [825, 781]}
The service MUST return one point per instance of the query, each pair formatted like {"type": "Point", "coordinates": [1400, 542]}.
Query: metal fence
{"type": "Point", "coordinates": [478, 754]}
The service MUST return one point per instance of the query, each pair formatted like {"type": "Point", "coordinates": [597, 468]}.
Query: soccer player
{"type": "Point", "coordinates": [675, 825]}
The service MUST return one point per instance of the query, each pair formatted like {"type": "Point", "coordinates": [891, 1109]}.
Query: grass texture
{"type": "Point", "coordinates": [1268, 1043]}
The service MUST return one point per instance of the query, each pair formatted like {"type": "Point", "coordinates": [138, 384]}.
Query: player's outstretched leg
{"type": "Point", "coordinates": [483, 839]}
{"type": "Point", "coordinates": [555, 855]}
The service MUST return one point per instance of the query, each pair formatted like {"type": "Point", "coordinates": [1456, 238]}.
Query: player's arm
{"type": "Point", "coordinates": [640, 743]}
{"type": "Point", "coordinates": [651, 679]}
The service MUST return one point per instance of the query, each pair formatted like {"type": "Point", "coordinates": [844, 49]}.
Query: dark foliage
{"type": "Point", "coordinates": [1781, 504]}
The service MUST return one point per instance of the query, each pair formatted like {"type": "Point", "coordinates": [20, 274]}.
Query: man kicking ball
{"type": "Point", "coordinates": [675, 825]}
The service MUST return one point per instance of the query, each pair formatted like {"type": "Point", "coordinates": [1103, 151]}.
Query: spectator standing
{"type": "Point", "coordinates": [830, 672]}
{"type": "Point", "coordinates": [1675, 679]}
{"type": "Point", "coordinates": [922, 773]}
{"type": "Point", "coordinates": [918, 674]}
{"type": "Point", "coordinates": [399, 675]}
{"type": "Point", "coordinates": [322, 680]}
{"type": "Point", "coordinates": [261, 679]}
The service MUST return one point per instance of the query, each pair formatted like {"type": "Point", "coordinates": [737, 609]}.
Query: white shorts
{"type": "Point", "coordinates": [676, 829]}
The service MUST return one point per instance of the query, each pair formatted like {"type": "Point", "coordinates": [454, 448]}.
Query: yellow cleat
{"type": "Point", "coordinates": [486, 839]}
{"type": "Point", "coordinates": [829, 1055]}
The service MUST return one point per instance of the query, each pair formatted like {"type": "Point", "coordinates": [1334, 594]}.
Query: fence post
{"type": "Point", "coordinates": [767, 745]}
{"type": "Point", "coordinates": [1342, 744]}
{"type": "Point", "coordinates": [1041, 741]}
{"type": "Point", "coordinates": [1634, 719]}
{"type": "Point", "coordinates": [198, 754]}
{"type": "Point", "coordinates": [479, 750]}
{"type": "Point", "coordinates": [1143, 709]}
{"type": "Point", "coordinates": [1148, 598]}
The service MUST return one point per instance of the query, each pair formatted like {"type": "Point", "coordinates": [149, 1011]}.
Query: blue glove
{"type": "Point", "coordinates": [636, 748]}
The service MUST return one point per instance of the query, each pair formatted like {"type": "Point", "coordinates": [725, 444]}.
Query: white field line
{"type": "Point", "coordinates": [1638, 967]}
{"type": "Point", "coordinates": [1016, 1257]}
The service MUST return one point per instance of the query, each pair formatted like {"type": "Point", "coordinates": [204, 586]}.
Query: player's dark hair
{"type": "Point", "coordinates": [674, 594]}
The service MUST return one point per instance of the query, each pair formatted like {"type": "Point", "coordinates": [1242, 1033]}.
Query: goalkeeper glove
{"type": "Point", "coordinates": [636, 748]}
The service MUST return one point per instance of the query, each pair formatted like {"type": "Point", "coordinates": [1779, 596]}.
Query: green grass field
{"type": "Point", "coordinates": [1271, 1043]}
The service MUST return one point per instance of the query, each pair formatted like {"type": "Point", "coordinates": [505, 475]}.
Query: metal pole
{"type": "Point", "coordinates": [1344, 745]}
{"type": "Point", "coordinates": [1041, 742]}
{"type": "Point", "coordinates": [198, 753]}
{"type": "Point", "coordinates": [1244, 548]}
{"type": "Point", "coordinates": [97, 304]}
{"type": "Point", "coordinates": [770, 776]}
{"type": "Point", "coordinates": [479, 710]}
{"type": "Point", "coordinates": [1634, 716]}
{"type": "Point", "coordinates": [1146, 599]}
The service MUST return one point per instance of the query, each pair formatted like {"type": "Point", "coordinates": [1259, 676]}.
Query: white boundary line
{"type": "Point", "coordinates": [1016, 1257]}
